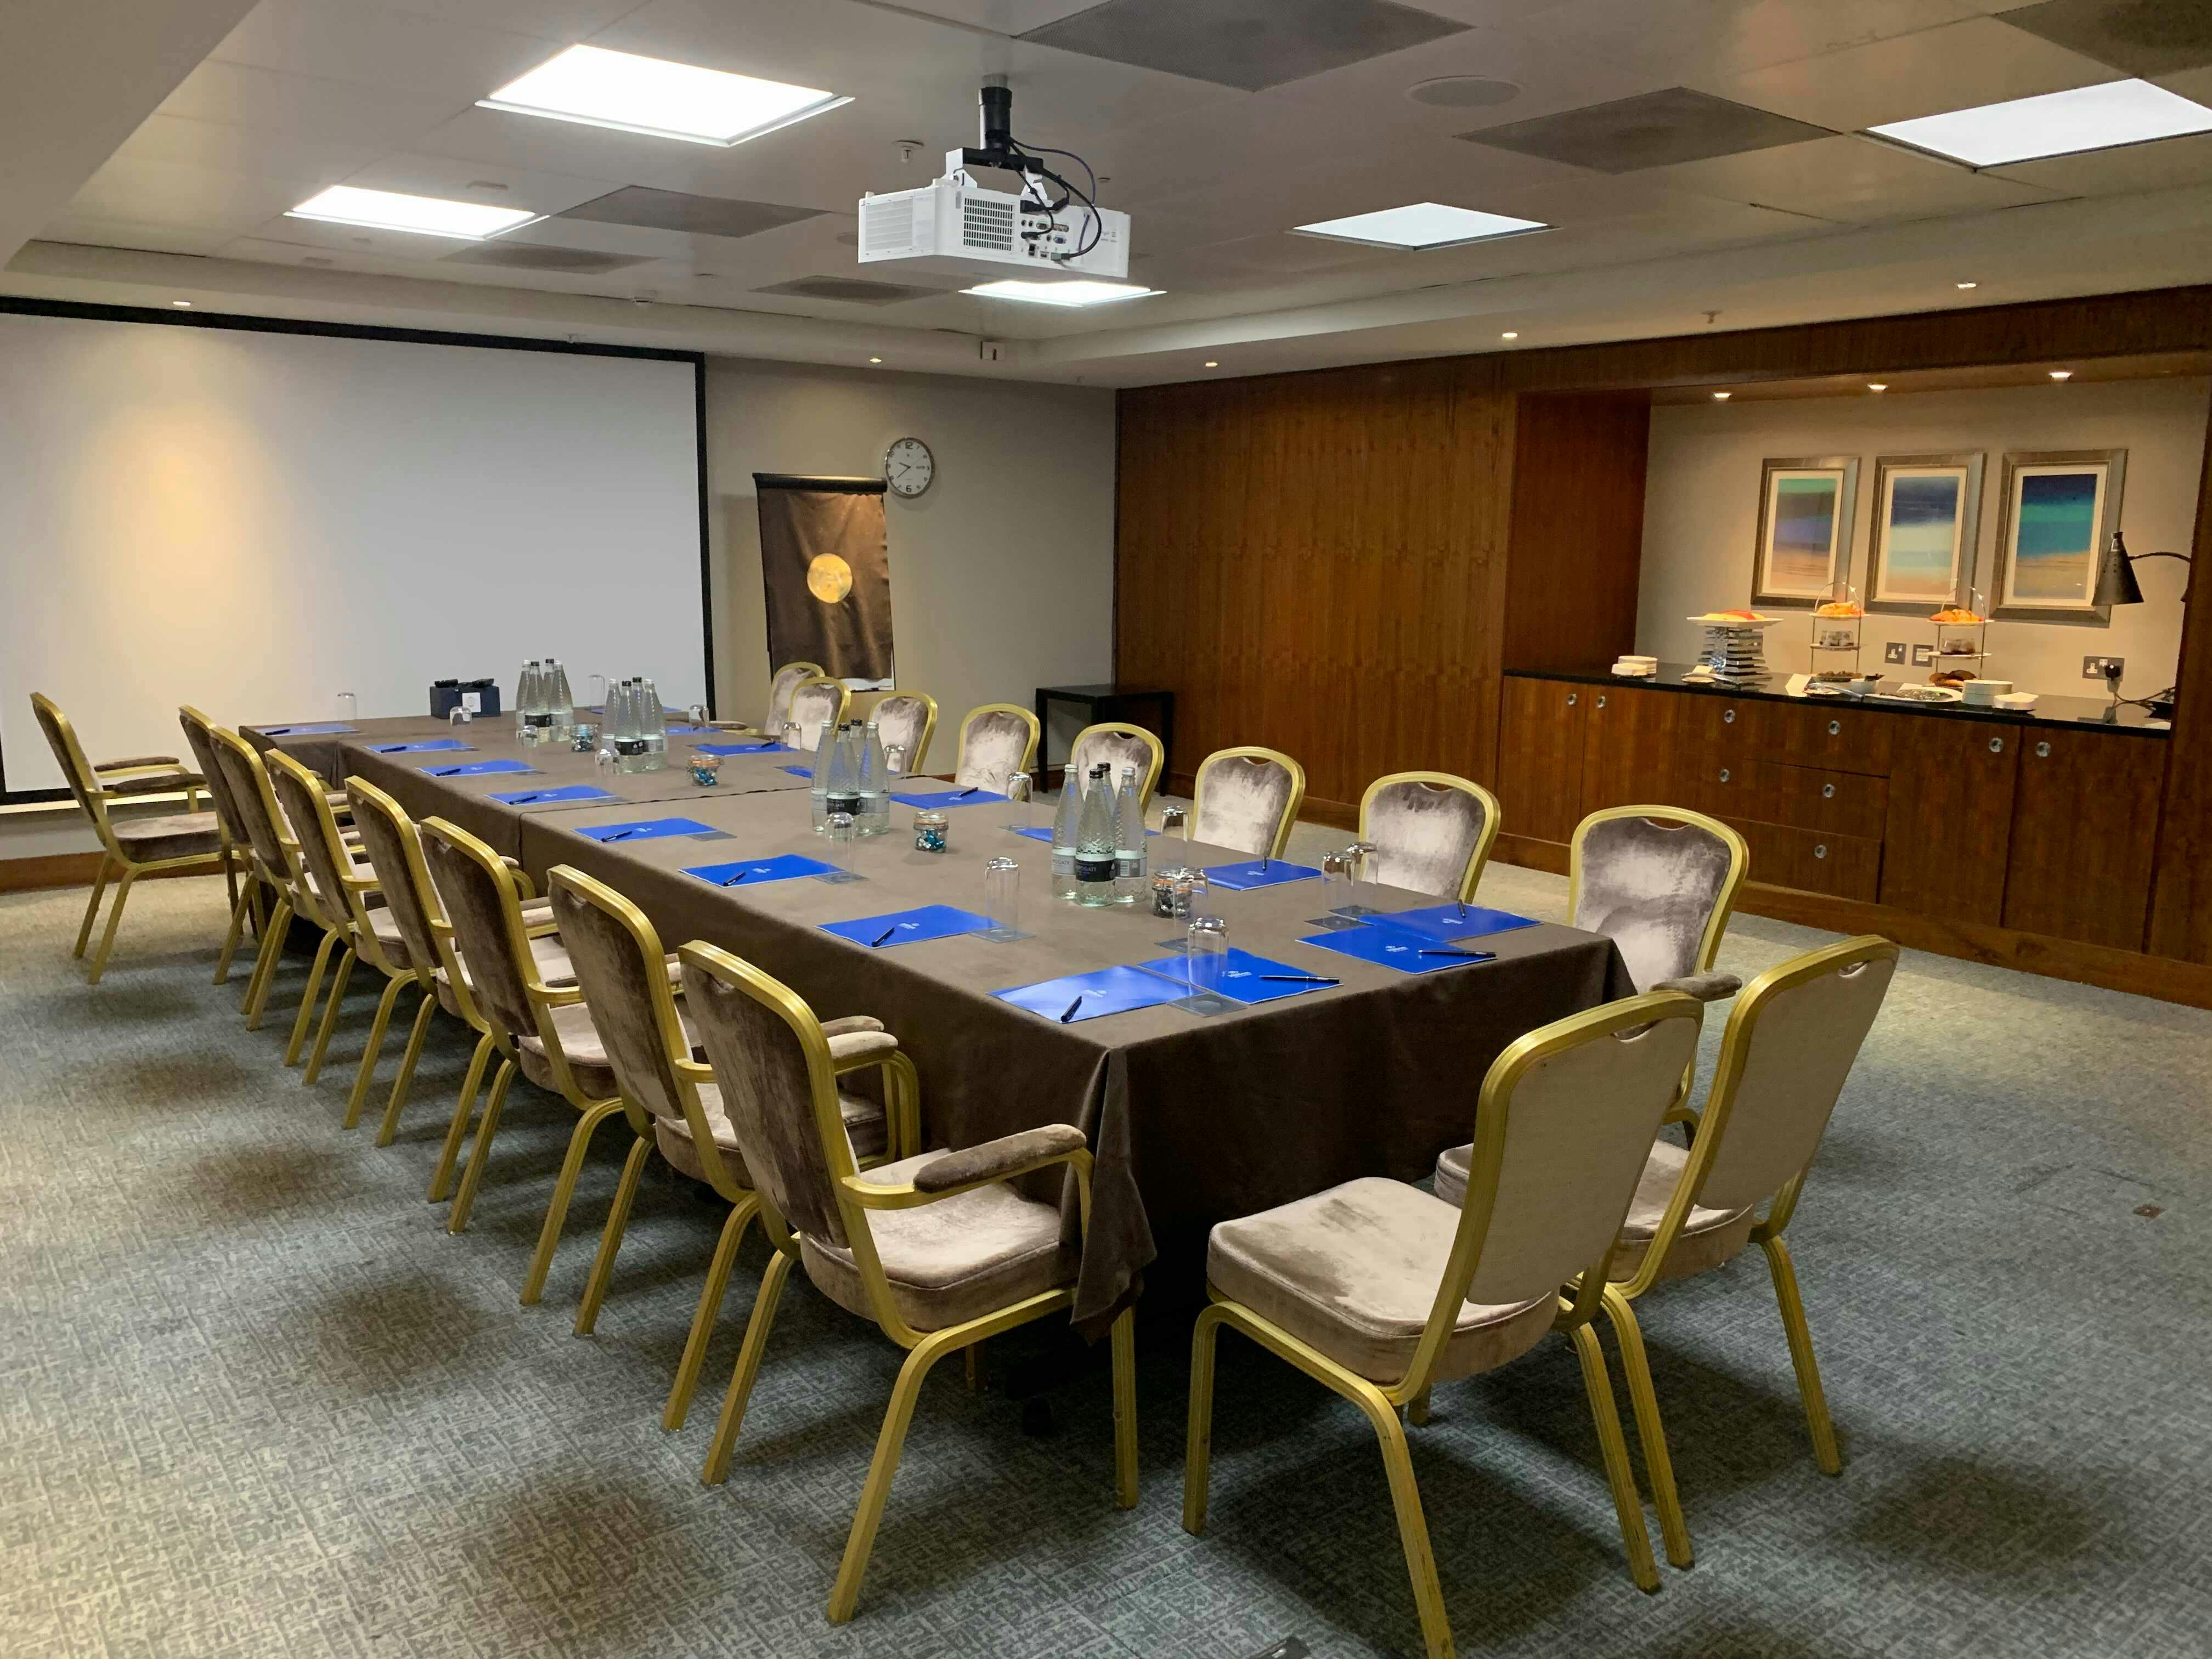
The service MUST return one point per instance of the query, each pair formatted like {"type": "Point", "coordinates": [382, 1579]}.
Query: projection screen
{"type": "Point", "coordinates": [253, 520]}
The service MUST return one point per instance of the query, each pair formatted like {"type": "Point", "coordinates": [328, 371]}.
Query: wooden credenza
{"type": "Point", "coordinates": [2006, 838]}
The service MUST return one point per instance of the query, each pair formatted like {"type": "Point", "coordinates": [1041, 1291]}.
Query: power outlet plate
{"type": "Point", "coordinates": [1923, 655]}
{"type": "Point", "coordinates": [2096, 668]}
{"type": "Point", "coordinates": [1893, 651]}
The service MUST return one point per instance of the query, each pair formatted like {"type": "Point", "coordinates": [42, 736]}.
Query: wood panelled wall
{"type": "Point", "coordinates": [1341, 564]}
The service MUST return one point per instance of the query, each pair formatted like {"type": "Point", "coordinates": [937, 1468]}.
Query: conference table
{"type": "Point", "coordinates": [1192, 1121]}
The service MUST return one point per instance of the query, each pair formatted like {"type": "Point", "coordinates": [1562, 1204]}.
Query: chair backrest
{"type": "Point", "coordinates": [77, 769]}
{"type": "Point", "coordinates": [786, 680]}
{"type": "Point", "coordinates": [620, 967]}
{"type": "Point", "coordinates": [997, 739]}
{"type": "Point", "coordinates": [1791, 1040]}
{"type": "Point", "coordinates": [907, 718]}
{"type": "Point", "coordinates": [1118, 746]}
{"type": "Point", "coordinates": [1248, 798]}
{"type": "Point", "coordinates": [1562, 1132]}
{"type": "Point", "coordinates": [1432, 831]}
{"type": "Point", "coordinates": [323, 856]}
{"type": "Point", "coordinates": [199, 736]}
{"type": "Point", "coordinates": [816, 703]}
{"type": "Point", "coordinates": [387, 835]}
{"type": "Point", "coordinates": [1660, 882]}
{"type": "Point", "coordinates": [256, 802]}
{"type": "Point", "coordinates": [477, 890]}
{"type": "Point", "coordinates": [772, 1064]}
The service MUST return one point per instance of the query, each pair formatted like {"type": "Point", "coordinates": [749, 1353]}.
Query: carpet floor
{"type": "Point", "coordinates": [255, 1401]}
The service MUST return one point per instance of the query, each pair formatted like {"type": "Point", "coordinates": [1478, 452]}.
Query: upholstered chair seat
{"type": "Point", "coordinates": [554, 967]}
{"type": "Point", "coordinates": [1354, 1270]}
{"type": "Point", "coordinates": [172, 836]}
{"type": "Point", "coordinates": [580, 1042]}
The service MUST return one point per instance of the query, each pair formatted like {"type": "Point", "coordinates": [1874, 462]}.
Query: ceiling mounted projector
{"type": "Point", "coordinates": [954, 227]}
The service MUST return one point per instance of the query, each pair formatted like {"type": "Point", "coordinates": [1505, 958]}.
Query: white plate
{"type": "Point", "coordinates": [1928, 693]}
{"type": "Point", "coordinates": [1764, 621]}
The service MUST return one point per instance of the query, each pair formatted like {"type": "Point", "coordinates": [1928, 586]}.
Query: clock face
{"type": "Point", "coordinates": [909, 466]}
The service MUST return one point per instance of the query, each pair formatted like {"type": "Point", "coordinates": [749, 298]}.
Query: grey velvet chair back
{"type": "Point", "coordinates": [257, 804]}
{"type": "Point", "coordinates": [69, 756]}
{"type": "Point", "coordinates": [1427, 832]}
{"type": "Point", "coordinates": [621, 969]}
{"type": "Point", "coordinates": [480, 902]}
{"type": "Point", "coordinates": [814, 704]}
{"type": "Point", "coordinates": [300, 792]}
{"type": "Point", "coordinates": [905, 720]}
{"type": "Point", "coordinates": [995, 743]}
{"type": "Point", "coordinates": [1116, 747]}
{"type": "Point", "coordinates": [1246, 799]}
{"type": "Point", "coordinates": [789, 679]}
{"type": "Point", "coordinates": [1660, 884]}
{"type": "Point", "coordinates": [199, 737]}
{"type": "Point", "coordinates": [387, 835]}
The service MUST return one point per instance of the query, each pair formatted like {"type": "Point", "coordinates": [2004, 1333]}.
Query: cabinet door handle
{"type": "Point", "coordinates": [1725, 774]}
{"type": "Point", "coordinates": [1820, 851]}
{"type": "Point", "coordinates": [1835, 728]}
{"type": "Point", "coordinates": [1573, 697]}
{"type": "Point", "coordinates": [2043, 751]}
{"type": "Point", "coordinates": [1601, 700]}
{"type": "Point", "coordinates": [1827, 791]}
{"type": "Point", "coordinates": [1996, 746]}
{"type": "Point", "coordinates": [1728, 717]}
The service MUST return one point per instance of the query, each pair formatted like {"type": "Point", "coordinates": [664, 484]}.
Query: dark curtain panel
{"type": "Point", "coordinates": [827, 566]}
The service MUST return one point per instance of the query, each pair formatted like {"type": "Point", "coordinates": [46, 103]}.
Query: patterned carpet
{"type": "Point", "coordinates": [254, 1401]}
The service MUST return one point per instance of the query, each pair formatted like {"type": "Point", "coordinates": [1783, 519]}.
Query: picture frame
{"type": "Point", "coordinates": [1927, 530]}
{"type": "Point", "coordinates": [2059, 508]}
{"type": "Point", "coordinates": [1805, 509]}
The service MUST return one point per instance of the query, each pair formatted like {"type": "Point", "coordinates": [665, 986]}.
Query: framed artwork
{"type": "Point", "coordinates": [1927, 509]}
{"type": "Point", "coordinates": [1804, 528]}
{"type": "Point", "coordinates": [2060, 509]}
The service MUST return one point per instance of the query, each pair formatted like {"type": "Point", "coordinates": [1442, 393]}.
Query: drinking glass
{"type": "Point", "coordinates": [1020, 794]}
{"type": "Point", "coordinates": [458, 715]}
{"type": "Point", "coordinates": [600, 693]}
{"type": "Point", "coordinates": [791, 735]}
{"type": "Point", "coordinates": [1360, 860]}
{"type": "Point", "coordinates": [695, 714]}
{"type": "Point", "coordinates": [1205, 954]}
{"type": "Point", "coordinates": [839, 828]}
{"type": "Point", "coordinates": [1175, 821]}
{"type": "Point", "coordinates": [348, 705]}
{"type": "Point", "coordinates": [1002, 900]}
{"type": "Point", "coordinates": [895, 760]}
{"type": "Point", "coordinates": [1336, 891]}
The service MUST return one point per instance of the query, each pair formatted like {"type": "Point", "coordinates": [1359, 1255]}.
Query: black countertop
{"type": "Point", "coordinates": [2068, 714]}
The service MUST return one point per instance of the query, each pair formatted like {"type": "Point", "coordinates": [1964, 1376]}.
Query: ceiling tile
{"type": "Point", "coordinates": [1847, 178]}
{"type": "Point", "coordinates": [2166, 165]}
{"type": "Point", "coordinates": [849, 291]}
{"type": "Point", "coordinates": [1656, 129]}
{"type": "Point", "coordinates": [370, 44]}
{"type": "Point", "coordinates": [459, 180]}
{"type": "Point", "coordinates": [2143, 36]}
{"type": "Point", "coordinates": [267, 101]}
{"type": "Point", "coordinates": [94, 232]}
{"type": "Point", "coordinates": [1702, 40]}
{"type": "Point", "coordinates": [566, 20]}
{"type": "Point", "coordinates": [179, 141]}
{"type": "Point", "coordinates": [699, 215]}
{"type": "Point", "coordinates": [537, 256]}
{"type": "Point", "coordinates": [1249, 44]}
{"type": "Point", "coordinates": [199, 199]}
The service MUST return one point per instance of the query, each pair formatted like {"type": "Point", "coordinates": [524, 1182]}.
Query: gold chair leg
{"type": "Point", "coordinates": [400, 1085]}
{"type": "Point", "coordinates": [710, 1309]}
{"type": "Point", "coordinates": [1417, 1408]}
{"type": "Point", "coordinates": [442, 1178]}
{"type": "Point", "coordinates": [346, 960]}
{"type": "Point", "coordinates": [556, 1213]}
{"type": "Point", "coordinates": [480, 1154]}
{"type": "Point", "coordinates": [264, 963]}
{"type": "Point", "coordinates": [1627, 1500]}
{"type": "Point", "coordinates": [307, 1001]}
{"type": "Point", "coordinates": [107, 935]}
{"type": "Point", "coordinates": [610, 1237]}
{"type": "Point", "coordinates": [717, 1469]}
{"type": "Point", "coordinates": [1673, 1530]}
{"type": "Point", "coordinates": [374, 1049]}
{"type": "Point", "coordinates": [1785, 1272]}
{"type": "Point", "coordinates": [92, 907]}
{"type": "Point", "coordinates": [230, 940]}
{"type": "Point", "coordinates": [898, 1417]}
{"type": "Point", "coordinates": [1198, 1433]}
{"type": "Point", "coordinates": [1124, 1339]}
{"type": "Point", "coordinates": [1412, 1528]}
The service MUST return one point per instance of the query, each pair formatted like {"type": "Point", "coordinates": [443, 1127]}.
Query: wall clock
{"type": "Point", "coordinates": [909, 467]}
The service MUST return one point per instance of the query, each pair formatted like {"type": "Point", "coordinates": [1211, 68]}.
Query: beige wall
{"type": "Point", "coordinates": [1002, 573]}
{"type": "Point", "coordinates": [1701, 511]}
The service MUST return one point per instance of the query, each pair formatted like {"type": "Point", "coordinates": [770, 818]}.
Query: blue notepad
{"type": "Point", "coordinates": [1242, 877]}
{"type": "Point", "coordinates": [1103, 991]}
{"type": "Point", "coordinates": [566, 791]}
{"type": "Point", "coordinates": [1450, 921]}
{"type": "Point", "coordinates": [689, 731]}
{"type": "Point", "coordinates": [908, 926]}
{"type": "Point", "coordinates": [428, 746]}
{"type": "Point", "coordinates": [800, 771]}
{"type": "Point", "coordinates": [948, 798]}
{"type": "Point", "coordinates": [1043, 832]}
{"type": "Point", "coordinates": [1389, 947]}
{"type": "Point", "coordinates": [648, 830]}
{"type": "Point", "coordinates": [761, 748]}
{"type": "Point", "coordinates": [785, 866]}
{"type": "Point", "coordinates": [476, 769]}
{"type": "Point", "coordinates": [322, 730]}
{"type": "Point", "coordinates": [1236, 975]}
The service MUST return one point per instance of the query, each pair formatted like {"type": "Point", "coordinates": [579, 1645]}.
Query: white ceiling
{"type": "Point", "coordinates": [182, 163]}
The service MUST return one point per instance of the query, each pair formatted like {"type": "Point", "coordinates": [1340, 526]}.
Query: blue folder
{"type": "Point", "coordinates": [1453, 922]}
{"type": "Point", "coordinates": [691, 731]}
{"type": "Point", "coordinates": [1242, 877]}
{"type": "Point", "coordinates": [1237, 975]}
{"type": "Point", "coordinates": [321, 729]}
{"type": "Point", "coordinates": [784, 867]}
{"type": "Point", "coordinates": [1399, 948]}
{"type": "Point", "coordinates": [800, 771]}
{"type": "Point", "coordinates": [476, 769]}
{"type": "Point", "coordinates": [1103, 991]}
{"type": "Point", "coordinates": [1043, 832]}
{"type": "Point", "coordinates": [948, 798]}
{"type": "Point", "coordinates": [428, 746]}
{"type": "Point", "coordinates": [761, 748]}
{"type": "Point", "coordinates": [908, 926]}
{"type": "Point", "coordinates": [647, 829]}
{"type": "Point", "coordinates": [566, 791]}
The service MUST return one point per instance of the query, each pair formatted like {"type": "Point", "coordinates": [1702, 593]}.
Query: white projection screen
{"type": "Point", "coordinates": [253, 522]}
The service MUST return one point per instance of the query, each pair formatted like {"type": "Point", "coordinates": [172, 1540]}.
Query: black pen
{"type": "Point", "coordinates": [619, 834]}
{"type": "Point", "coordinates": [523, 801]}
{"type": "Point", "coordinates": [963, 795]}
{"type": "Point", "coordinates": [443, 771]}
{"type": "Point", "coordinates": [1068, 1013]}
{"type": "Point", "coordinates": [276, 731]}
{"type": "Point", "coordinates": [731, 881]}
{"type": "Point", "coordinates": [1298, 979]}
{"type": "Point", "coordinates": [881, 937]}
{"type": "Point", "coordinates": [1468, 955]}
{"type": "Point", "coordinates": [1263, 866]}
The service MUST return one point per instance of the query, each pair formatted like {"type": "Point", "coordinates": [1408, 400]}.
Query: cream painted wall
{"type": "Point", "coordinates": [1701, 512]}
{"type": "Point", "coordinates": [1002, 573]}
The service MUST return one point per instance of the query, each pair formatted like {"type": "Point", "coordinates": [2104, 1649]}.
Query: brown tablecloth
{"type": "Point", "coordinates": [1193, 1120]}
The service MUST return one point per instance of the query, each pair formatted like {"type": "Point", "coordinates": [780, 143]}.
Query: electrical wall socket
{"type": "Point", "coordinates": [1923, 655]}
{"type": "Point", "coordinates": [1894, 651]}
{"type": "Point", "coordinates": [2096, 668]}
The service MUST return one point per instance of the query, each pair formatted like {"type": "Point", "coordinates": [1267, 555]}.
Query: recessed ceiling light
{"type": "Point", "coordinates": [1510, 334]}
{"type": "Point", "coordinates": [1722, 397]}
{"type": "Point", "coordinates": [2062, 374]}
{"type": "Point", "coordinates": [2055, 124]}
{"type": "Point", "coordinates": [1422, 225]}
{"type": "Point", "coordinates": [875, 359]}
{"type": "Point", "coordinates": [617, 90]}
{"type": "Point", "coordinates": [1464, 92]}
{"type": "Point", "coordinates": [1877, 385]}
{"type": "Point", "coordinates": [429, 216]}
{"type": "Point", "coordinates": [182, 305]}
{"type": "Point", "coordinates": [1060, 294]}
{"type": "Point", "coordinates": [1965, 285]}
{"type": "Point", "coordinates": [1210, 363]}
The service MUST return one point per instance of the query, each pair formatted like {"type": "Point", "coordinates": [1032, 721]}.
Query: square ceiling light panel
{"type": "Point", "coordinates": [619, 89]}
{"type": "Point", "coordinates": [2141, 36]}
{"type": "Point", "coordinates": [1248, 44]}
{"type": "Point", "coordinates": [1422, 225]}
{"type": "Point", "coordinates": [1652, 129]}
{"type": "Point", "coordinates": [2055, 124]}
{"type": "Point", "coordinates": [429, 215]}
{"type": "Point", "coordinates": [1071, 295]}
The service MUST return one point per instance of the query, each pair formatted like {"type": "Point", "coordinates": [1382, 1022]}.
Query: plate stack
{"type": "Point", "coordinates": [1736, 650]}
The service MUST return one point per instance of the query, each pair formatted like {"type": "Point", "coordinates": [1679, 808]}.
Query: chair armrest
{"type": "Point", "coordinates": [851, 1051]}
{"type": "Point", "coordinates": [951, 1173]}
{"type": "Point", "coordinates": [1706, 988]}
{"type": "Point", "coordinates": [153, 783]}
{"type": "Point", "coordinates": [851, 1023]}
{"type": "Point", "coordinates": [136, 760]}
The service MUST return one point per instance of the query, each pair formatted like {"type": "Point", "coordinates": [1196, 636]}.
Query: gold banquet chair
{"type": "Point", "coordinates": [907, 718]}
{"type": "Point", "coordinates": [996, 740]}
{"type": "Point", "coordinates": [185, 843]}
{"type": "Point", "coordinates": [1117, 746]}
{"type": "Point", "coordinates": [786, 680]}
{"type": "Point", "coordinates": [816, 703]}
{"type": "Point", "coordinates": [621, 969]}
{"type": "Point", "coordinates": [1378, 1290]}
{"type": "Point", "coordinates": [245, 901]}
{"type": "Point", "coordinates": [1432, 831]}
{"type": "Point", "coordinates": [1248, 799]}
{"type": "Point", "coordinates": [938, 1250]}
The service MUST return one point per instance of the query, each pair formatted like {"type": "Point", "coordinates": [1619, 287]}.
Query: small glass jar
{"type": "Point", "coordinates": [584, 739]}
{"type": "Point", "coordinates": [929, 831]}
{"type": "Point", "coordinates": [1166, 883]}
{"type": "Point", "coordinates": [706, 768]}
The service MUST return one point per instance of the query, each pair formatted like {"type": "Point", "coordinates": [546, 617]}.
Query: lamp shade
{"type": "Point", "coordinates": [2116, 579]}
